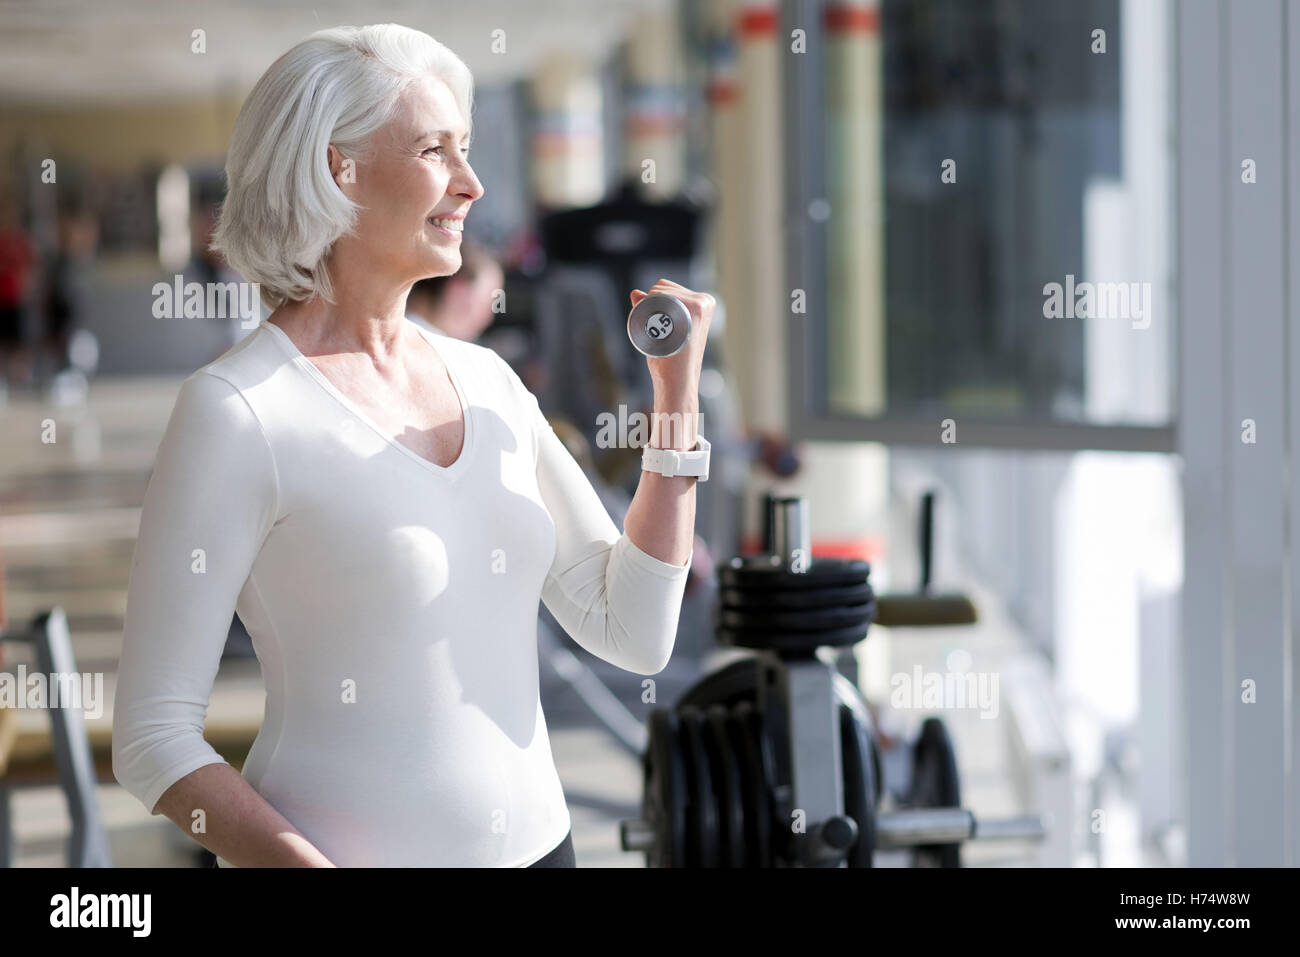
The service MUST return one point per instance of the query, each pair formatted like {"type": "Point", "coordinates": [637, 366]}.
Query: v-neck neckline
{"type": "Point", "coordinates": [467, 444]}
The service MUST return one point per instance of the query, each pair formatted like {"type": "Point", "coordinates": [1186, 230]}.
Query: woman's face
{"type": "Point", "coordinates": [416, 171]}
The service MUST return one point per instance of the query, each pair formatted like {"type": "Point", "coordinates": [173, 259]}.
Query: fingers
{"type": "Point", "coordinates": [682, 292]}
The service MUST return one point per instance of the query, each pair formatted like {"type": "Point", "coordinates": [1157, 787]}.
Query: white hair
{"type": "Point", "coordinates": [283, 211]}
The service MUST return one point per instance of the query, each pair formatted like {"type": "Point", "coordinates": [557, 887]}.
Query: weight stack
{"type": "Point", "coordinates": [788, 602]}
{"type": "Point", "coordinates": [716, 775]}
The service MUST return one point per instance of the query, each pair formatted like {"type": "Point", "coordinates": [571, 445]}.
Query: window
{"type": "Point", "coordinates": [983, 228]}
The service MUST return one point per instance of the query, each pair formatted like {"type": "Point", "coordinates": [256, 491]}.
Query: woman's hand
{"type": "Point", "coordinates": [678, 376]}
{"type": "Point", "coordinates": [661, 519]}
{"type": "Point", "coordinates": [242, 827]}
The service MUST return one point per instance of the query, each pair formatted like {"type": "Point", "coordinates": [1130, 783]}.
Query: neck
{"type": "Point", "coordinates": [368, 315]}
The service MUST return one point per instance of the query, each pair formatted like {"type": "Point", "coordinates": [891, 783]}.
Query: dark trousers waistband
{"type": "Point", "coordinates": [561, 856]}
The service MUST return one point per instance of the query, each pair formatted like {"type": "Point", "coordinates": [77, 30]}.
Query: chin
{"type": "Point", "coordinates": [439, 262]}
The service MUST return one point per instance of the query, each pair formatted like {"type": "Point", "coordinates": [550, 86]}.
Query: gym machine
{"type": "Point", "coordinates": [88, 843]}
{"type": "Point", "coordinates": [772, 761]}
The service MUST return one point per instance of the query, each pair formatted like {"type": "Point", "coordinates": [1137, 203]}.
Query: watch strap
{"type": "Point", "coordinates": [673, 462]}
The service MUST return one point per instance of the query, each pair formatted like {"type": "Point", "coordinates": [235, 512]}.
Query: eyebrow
{"type": "Point", "coordinates": [439, 134]}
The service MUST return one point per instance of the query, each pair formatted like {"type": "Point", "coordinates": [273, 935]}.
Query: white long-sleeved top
{"type": "Point", "coordinates": [392, 604]}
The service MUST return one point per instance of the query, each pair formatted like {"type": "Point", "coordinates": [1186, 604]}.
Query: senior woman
{"type": "Point", "coordinates": [383, 506]}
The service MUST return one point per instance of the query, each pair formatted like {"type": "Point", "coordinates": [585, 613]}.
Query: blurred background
{"type": "Point", "coordinates": [880, 196]}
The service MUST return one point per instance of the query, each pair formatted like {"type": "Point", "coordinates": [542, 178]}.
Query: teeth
{"type": "Point", "coordinates": [455, 225]}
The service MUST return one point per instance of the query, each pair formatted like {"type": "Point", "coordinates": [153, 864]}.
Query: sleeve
{"type": "Point", "coordinates": [210, 502]}
{"type": "Point", "coordinates": [611, 597]}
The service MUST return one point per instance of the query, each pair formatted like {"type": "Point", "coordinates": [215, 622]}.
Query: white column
{"type": "Point", "coordinates": [655, 118]}
{"type": "Point", "coordinates": [760, 332]}
{"type": "Point", "coordinates": [567, 149]}
{"type": "Point", "coordinates": [728, 159]}
{"type": "Point", "coordinates": [855, 247]}
{"type": "Point", "coordinates": [1234, 288]}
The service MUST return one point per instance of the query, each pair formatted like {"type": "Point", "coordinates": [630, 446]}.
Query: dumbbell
{"type": "Point", "coordinates": [659, 325]}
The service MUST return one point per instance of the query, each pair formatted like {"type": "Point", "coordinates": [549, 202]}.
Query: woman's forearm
{"type": "Point", "coordinates": [661, 519]}
{"type": "Point", "coordinates": [239, 825]}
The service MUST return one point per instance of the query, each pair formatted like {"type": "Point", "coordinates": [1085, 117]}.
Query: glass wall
{"type": "Point", "coordinates": [988, 186]}
{"type": "Point", "coordinates": [982, 247]}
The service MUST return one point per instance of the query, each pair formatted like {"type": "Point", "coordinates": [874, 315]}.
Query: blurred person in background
{"type": "Point", "coordinates": [5, 719]}
{"type": "Point", "coordinates": [67, 297]}
{"type": "Point", "coordinates": [17, 265]}
{"type": "Point", "coordinates": [459, 305]}
{"type": "Point", "coordinates": [4, 616]}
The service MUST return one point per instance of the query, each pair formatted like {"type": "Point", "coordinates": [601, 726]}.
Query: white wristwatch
{"type": "Point", "coordinates": [672, 462]}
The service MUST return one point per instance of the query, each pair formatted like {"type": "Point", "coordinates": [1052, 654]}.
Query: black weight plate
{"type": "Point", "coordinates": [730, 684]}
{"type": "Point", "coordinates": [665, 787]}
{"type": "Point", "coordinates": [703, 841]}
{"type": "Point", "coordinates": [727, 785]}
{"type": "Point", "coordinates": [790, 641]}
{"type": "Point", "coordinates": [831, 596]}
{"type": "Point", "coordinates": [758, 770]}
{"type": "Point", "coordinates": [847, 693]}
{"type": "Point", "coordinates": [859, 786]}
{"type": "Point", "coordinates": [934, 768]}
{"type": "Point", "coordinates": [771, 726]}
{"type": "Point", "coordinates": [768, 758]}
{"type": "Point", "coordinates": [935, 784]}
{"type": "Point", "coordinates": [823, 619]}
{"type": "Point", "coordinates": [877, 771]}
{"type": "Point", "coordinates": [758, 572]}
{"type": "Point", "coordinates": [738, 737]}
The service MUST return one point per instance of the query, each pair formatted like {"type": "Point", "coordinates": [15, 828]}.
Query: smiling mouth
{"type": "Point", "coordinates": [449, 225]}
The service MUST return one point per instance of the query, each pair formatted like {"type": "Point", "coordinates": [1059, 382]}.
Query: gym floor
{"type": "Point", "coordinates": [71, 510]}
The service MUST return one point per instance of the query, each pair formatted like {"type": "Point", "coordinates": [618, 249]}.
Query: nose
{"type": "Point", "coordinates": [465, 183]}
